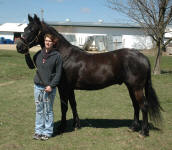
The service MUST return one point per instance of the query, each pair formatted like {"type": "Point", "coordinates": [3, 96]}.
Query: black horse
{"type": "Point", "coordinates": [85, 71]}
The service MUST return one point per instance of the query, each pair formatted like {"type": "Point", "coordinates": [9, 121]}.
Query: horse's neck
{"type": "Point", "coordinates": [64, 50]}
{"type": "Point", "coordinates": [68, 51]}
{"type": "Point", "coordinates": [42, 45]}
{"type": "Point", "coordinates": [41, 41]}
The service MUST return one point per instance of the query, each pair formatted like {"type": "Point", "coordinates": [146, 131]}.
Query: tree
{"type": "Point", "coordinates": [152, 15]}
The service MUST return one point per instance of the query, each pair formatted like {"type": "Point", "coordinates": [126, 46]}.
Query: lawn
{"type": "Point", "coordinates": [105, 114]}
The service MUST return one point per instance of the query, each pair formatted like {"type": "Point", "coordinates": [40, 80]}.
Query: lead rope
{"type": "Point", "coordinates": [36, 69]}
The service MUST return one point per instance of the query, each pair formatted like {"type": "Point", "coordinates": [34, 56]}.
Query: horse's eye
{"type": "Point", "coordinates": [31, 30]}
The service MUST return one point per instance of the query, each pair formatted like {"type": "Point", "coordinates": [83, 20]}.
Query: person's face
{"type": "Point", "coordinates": [48, 43]}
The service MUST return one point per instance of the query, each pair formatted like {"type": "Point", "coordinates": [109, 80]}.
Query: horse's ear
{"type": "Point", "coordinates": [36, 19]}
{"type": "Point", "coordinates": [30, 18]}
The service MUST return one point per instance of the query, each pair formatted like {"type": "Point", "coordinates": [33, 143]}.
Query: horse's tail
{"type": "Point", "coordinates": [154, 108]}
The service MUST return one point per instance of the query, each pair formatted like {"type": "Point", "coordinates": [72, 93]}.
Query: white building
{"type": "Point", "coordinates": [106, 35]}
{"type": "Point", "coordinates": [11, 30]}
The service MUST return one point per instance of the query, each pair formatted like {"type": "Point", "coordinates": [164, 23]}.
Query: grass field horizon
{"type": "Point", "coordinates": [105, 114]}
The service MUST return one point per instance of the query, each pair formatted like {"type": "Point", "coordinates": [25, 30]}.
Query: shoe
{"type": "Point", "coordinates": [44, 137]}
{"type": "Point", "coordinates": [37, 136]}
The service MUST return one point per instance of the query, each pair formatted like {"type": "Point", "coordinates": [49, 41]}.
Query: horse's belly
{"type": "Point", "coordinates": [95, 85]}
{"type": "Point", "coordinates": [98, 78]}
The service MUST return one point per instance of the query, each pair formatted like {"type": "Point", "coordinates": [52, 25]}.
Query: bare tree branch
{"type": "Point", "coordinates": [167, 42]}
{"type": "Point", "coordinates": [152, 15]}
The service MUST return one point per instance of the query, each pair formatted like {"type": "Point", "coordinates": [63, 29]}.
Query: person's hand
{"type": "Point", "coordinates": [48, 89]}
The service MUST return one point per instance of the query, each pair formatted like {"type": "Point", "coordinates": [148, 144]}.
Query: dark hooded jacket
{"type": "Point", "coordinates": [49, 67]}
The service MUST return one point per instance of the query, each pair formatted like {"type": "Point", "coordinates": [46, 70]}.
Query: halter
{"type": "Point", "coordinates": [27, 44]}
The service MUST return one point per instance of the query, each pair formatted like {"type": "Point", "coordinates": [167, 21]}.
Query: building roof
{"type": "Point", "coordinates": [94, 24]}
{"type": "Point", "coordinates": [13, 27]}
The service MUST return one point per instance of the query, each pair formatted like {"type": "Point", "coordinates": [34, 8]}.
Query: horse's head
{"type": "Point", "coordinates": [30, 36]}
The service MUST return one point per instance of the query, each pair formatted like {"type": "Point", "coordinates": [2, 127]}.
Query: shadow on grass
{"type": "Point", "coordinates": [100, 123]}
{"type": "Point", "coordinates": [166, 72]}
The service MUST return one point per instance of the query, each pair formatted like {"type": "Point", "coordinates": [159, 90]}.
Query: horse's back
{"type": "Point", "coordinates": [130, 66]}
{"type": "Point", "coordinates": [95, 71]}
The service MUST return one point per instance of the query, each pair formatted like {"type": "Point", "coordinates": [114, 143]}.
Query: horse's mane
{"type": "Point", "coordinates": [48, 29]}
{"type": "Point", "coordinates": [62, 40]}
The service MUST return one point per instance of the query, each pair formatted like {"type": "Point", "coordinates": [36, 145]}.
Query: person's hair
{"type": "Point", "coordinates": [49, 36]}
{"type": "Point", "coordinates": [52, 37]}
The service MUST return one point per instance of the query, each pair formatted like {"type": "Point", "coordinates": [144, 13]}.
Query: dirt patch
{"type": "Point", "coordinates": [6, 83]}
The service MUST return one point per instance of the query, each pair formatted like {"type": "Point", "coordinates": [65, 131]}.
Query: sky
{"type": "Point", "coordinates": [59, 10]}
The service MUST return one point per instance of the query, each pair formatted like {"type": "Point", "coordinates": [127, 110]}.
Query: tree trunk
{"type": "Point", "coordinates": [157, 69]}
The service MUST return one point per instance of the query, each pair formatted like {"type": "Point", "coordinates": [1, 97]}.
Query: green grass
{"type": "Point", "coordinates": [105, 114]}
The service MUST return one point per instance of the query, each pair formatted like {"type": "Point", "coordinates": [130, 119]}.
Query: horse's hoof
{"type": "Point", "coordinates": [76, 126]}
{"type": "Point", "coordinates": [75, 129]}
{"type": "Point", "coordinates": [143, 134]}
{"type": "Point", "coordinates": [130, 130]}
{"type": "Point", "coordinates": [133, 129]}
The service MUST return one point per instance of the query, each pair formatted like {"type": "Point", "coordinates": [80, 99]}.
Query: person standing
{"type": "Point", "coordinates": [48, 63]}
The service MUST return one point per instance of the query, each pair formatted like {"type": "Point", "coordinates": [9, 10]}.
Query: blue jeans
{"type": "Point", "coordinates": [44, 121]}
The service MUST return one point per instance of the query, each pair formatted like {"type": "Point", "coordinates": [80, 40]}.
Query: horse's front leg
{"type": "Point", "coordinates": [64, 107]}
{"type": "Point", "coordinates": [76, 120]}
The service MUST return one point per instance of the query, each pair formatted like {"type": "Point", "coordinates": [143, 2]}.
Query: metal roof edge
{"type": "Point", "coordinates": [92, 24]}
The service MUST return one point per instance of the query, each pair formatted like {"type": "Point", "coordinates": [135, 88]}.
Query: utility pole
{"type": "Point", "coordinates": [42, 14]}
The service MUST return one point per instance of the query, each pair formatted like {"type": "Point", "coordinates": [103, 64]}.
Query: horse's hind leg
{"type": "Point", "coordinates": [135, 125]}
{"type": "Point", "coordinates": [141, 99]}
{"type": "Point", "coordinates": [76, 121]}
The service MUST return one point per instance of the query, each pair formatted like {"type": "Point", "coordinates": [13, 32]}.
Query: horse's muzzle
{"type": "Point", "coordinates": [21, 47]}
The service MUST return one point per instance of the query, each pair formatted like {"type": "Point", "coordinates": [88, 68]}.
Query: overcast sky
{"type": "Point", "coordinates": [59, 10]}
